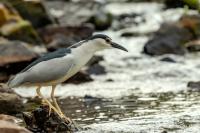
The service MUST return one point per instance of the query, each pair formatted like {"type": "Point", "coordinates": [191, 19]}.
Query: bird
{"type": "Point", "coordinates": [56, 67]}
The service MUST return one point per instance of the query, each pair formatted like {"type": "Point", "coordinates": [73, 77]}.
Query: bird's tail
{"type": "Point", "coordinates": [14, 81]}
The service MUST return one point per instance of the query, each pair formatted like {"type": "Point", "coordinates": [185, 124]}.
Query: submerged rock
{"type": "Point", "coordinates": [194, 85]}
{"type": "Point", "coordinates": [168, 59]}
{"type": "Point", "coordinates": [39, 120]}
{"type": "Point", "coordinates": [64, 36]}
{"type": "Point", "coordinates": [10, 102]}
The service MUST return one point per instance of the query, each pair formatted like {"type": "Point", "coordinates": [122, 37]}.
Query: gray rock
{"type": "Point", "coordinates": [194, 85]}
{"type": "Point", "coordinates": [169, 39]}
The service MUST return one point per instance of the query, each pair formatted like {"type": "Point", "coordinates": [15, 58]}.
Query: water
{"type": "Point", "coordinates": [139, 93]}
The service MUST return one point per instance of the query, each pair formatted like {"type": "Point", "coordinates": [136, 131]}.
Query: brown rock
{"type": "Point", "coordinates": [64, 36]}
{"type": "Point", "coordinates": [14, 56]}
{"type": "Point", "coordinates": [10, 102]}
{"type": "Point", "coordinates": [193, 46]}
{"type": "Point", "coordinates": [9, 124]}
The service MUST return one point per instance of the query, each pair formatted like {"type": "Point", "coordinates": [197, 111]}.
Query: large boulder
{"type": "Point", "coordinates": [173, 38]}
{"type": "Point", "coordinates": [169, 39]}
{"type": "Point", "coordinates": [14, 56]}
{"type": "Point", "coordinates": [10, 102]}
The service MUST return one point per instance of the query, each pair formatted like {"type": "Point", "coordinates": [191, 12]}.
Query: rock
{"type": "Point", "coordinates": [8, 14]}
{"type": "Point", "coordinates": [20, 30]}
{"type": "Point", "coordinates": [32, 10]}
{"type": "Point", "coordinates": [102, 20]}
{"type": "Point", "coordinates": [39, 121]}
{"type": "Point", "coordinates": [96, 69]}
{"type": "Point", "coordinates": [80, 77]}
{"type": "Point", "coordinates": [14, 56]}
{"type": "Point", "coordinates": [194, 85]}
{"type": "Point", "coordinates": [193, 4]}
{"type": "Point", "coordinates": [95, 60]}
{"type": "Point", "coordinates": [8, 124]}
{"type": "Point", "coordinates": [9, 118]}
{"type": "Point", "coordinates": [64, 36]}
{"type": "Point", "coordinates": [174, 3]}
{"type": "Point", "coordinates": [192, 23]}
{"type": "Point", "coordinates": [8, 127]}
{"type": "Point", "coordinates": [193, 46]}
{"type": "Point", "coordinates": [73, 13]}
{"type": "Point", "coordinates": [169, 39]}
{"type": "Point", "coordinates": [168, 59]}
{"type": "Point", "coordinates": [10, 102]}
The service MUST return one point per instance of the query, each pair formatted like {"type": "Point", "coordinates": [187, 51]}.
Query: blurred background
{"type": "Point", "coordinates": [152, 88]}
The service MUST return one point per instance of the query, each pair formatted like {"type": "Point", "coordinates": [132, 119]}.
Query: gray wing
{"type": "Point", "coordinates": [44, 72]}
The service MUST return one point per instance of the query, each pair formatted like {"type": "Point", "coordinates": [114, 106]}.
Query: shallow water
{"type": "Point", "coordinates": [139, 93]}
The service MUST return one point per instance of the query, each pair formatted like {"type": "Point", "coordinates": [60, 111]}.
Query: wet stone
{"type": "Point", "coordinates": [168, 59]}
{"type": "Point", "coordinates": [39, 120]}
{"type": "Point", "coordinates": [194, 85]}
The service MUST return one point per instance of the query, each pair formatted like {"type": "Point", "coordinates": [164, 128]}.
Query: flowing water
{"type": "Point", "coordinates": [139, 93]}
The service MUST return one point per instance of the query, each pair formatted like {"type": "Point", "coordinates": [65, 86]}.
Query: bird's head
{"type": "Point", "coordinates": [104, 42]}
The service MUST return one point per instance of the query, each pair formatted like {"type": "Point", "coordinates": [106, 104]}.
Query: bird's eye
{"type": "Point", "coordinates": [108, 40]}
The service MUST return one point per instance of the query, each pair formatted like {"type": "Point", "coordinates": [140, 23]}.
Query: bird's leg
{"type": "Point", "coordinates": [56, 104]}
{"type": "Point", "coordinates": [49, 104]}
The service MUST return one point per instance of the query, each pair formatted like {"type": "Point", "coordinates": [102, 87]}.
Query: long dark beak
{"type": "Point", "coordinates": [115, 45]}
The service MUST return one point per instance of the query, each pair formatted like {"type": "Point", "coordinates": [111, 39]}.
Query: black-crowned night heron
{"type": "Point", "coordinates": [56, 67]}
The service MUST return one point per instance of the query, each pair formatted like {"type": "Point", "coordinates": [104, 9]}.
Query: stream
{"type": "Point", "coordinates": [139, 93]}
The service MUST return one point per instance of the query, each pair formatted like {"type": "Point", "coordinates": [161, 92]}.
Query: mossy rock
{"type": "Point", "coordinates": [32, 10]}
{"type": "Point", "coordinates": [20, 30]}
{"type": "Point", "coordinates": [194, 4]}
{"type": "Point", "coordinates": [8, 13]}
